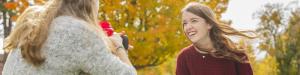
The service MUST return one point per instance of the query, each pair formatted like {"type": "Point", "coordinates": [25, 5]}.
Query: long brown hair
{"type": "Point", "coordinates": [225, 48]}
{"type": "Point", "coordinates": [32, 26]}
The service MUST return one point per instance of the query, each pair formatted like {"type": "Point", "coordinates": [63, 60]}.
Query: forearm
{"type": "Point", "coordinates": [123, 56]}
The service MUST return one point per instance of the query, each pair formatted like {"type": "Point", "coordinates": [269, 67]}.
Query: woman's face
{"type": "Point", "coordinates": [195, 27]}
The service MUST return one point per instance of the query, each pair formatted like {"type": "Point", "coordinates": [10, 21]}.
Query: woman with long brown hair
{"type": "Point", "coordinates": [212, 52]}
{"type": "Point", "coordinates": [62, 37]}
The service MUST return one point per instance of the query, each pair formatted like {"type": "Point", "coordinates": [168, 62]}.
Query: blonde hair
{"type": "Point", "coordinates": [32, 26]}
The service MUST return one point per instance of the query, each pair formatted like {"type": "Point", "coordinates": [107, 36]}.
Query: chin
{"type": "Point", "coordinates": [194, 40]}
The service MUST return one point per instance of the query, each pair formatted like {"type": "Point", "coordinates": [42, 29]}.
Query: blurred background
{"type": "Point", "coordinates": [154, 29]}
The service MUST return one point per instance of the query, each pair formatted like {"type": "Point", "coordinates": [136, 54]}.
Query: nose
{"type": "Point", "coordinates": [188, 26]}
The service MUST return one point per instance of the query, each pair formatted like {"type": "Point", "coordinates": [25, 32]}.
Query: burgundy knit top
{"type": "Point", "coordinates": [191, 62]}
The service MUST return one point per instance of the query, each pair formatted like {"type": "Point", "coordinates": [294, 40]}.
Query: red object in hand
{"type": "Point", "coordinates": [109, 31]}
{"type": "Point", "coordinates": [107, 28]}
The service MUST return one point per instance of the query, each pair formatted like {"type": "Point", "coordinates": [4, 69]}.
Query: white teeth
{"type": "Point", "coordinates": [191, 33]}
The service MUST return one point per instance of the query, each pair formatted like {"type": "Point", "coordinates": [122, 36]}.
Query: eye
{"type": "Point", "coordinates": [194, 21]}
{"type": "Point", "coordinates": [184, 24]}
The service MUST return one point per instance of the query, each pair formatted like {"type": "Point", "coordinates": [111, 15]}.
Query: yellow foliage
{"type": "Point", "coordinates": [267, 66]}
{"type": "Point", "coordinates": [153, 28]}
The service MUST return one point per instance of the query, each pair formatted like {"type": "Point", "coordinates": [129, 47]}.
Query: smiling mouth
{"type": "Point", "coordinates": [192, 33]}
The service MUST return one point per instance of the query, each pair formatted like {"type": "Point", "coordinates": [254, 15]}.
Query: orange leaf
{"type": "Point", "coordinates": [22, 9]}
{"type": "Point", "coordinates": [39, 1]}
{"type": "Point", "coordinates": [14, 18]}
{"type": "Point", "coordinates": [25, 3]}
{"type": "Point", "coordinates": [11, 5]}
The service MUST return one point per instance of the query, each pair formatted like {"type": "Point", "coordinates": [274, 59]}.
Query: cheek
{"type": "Point", "coordinates": [201, 29]}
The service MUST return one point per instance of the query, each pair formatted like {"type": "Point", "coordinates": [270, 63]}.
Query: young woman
{"type": "Point", "coordinates": [63, 38]}
{"type": "Point", "coordinates": [212, 52]}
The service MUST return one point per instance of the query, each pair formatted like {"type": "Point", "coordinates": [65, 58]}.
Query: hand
{"type": "Point", "coordinates": [116, 42]}
{"type": "Point", "coordinates": [119, 50]}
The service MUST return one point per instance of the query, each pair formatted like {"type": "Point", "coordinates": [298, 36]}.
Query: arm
{"type": "Point", "coordinates": [181, 68]}
{"type": "Point", "coordinates": [243, 68]}
{"type": "Point", "coordinates": [120, 51]}
{"type": "Point", "coordinates": [93, 55]}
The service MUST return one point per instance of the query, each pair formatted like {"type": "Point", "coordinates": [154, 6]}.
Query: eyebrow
{"type": "Point", "coordinates": [194, 18]}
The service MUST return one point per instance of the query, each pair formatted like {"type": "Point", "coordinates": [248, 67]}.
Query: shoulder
{"type": "Point", "coordinates": [242, 55]}
{"type": "Point", "coordinates": [69, 22]}
{"type": "Point", "coordinates": [69, 26]}
{"type": "Point", "coordinates": [185, 51]}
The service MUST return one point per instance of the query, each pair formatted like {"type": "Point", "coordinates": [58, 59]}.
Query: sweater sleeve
{"type": "Point", "coordinates": [92, 54]}
{"type": "Point", "coordinates": [181, 68]}
{"type": "Point", "coordinates": [244, 68]}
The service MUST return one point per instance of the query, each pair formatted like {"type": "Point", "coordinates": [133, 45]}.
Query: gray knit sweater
{"type": "Point", "coordinates": [71, 48]}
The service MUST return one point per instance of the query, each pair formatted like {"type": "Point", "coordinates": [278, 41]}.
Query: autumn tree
{"type": "Point", "coordinates": [293, 42]}
{"type": "Point", "coordinates": [280, 35]}
{"type": "Point", "coordinates": [153, 26]}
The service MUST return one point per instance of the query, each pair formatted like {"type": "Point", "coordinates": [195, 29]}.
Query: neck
{"type": "Point", "coordinates": [205, 45]}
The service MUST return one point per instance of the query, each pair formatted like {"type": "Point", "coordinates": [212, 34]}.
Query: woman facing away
{"type": "Point", "coordinates": [212, 52]}
{"type": "Point", "coordinates": [63, 38]}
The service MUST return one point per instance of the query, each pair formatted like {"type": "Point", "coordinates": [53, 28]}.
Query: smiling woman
{"type": "Point", "coordinates": [212, 53]}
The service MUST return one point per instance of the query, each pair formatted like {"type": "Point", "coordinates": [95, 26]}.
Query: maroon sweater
{"type": "Point", "coordinates": [191, 62]}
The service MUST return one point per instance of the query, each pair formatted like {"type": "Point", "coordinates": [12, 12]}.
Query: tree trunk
{"type": "Point", "coordinates": [4, 28]}
{"type": "Point", "coordinates": [7, 27]}
{"type": "Point", "coordinates": [298, 64]}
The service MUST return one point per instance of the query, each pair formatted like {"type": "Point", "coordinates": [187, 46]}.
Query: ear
{"type": "Point", "coordinates": [209, 26]}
